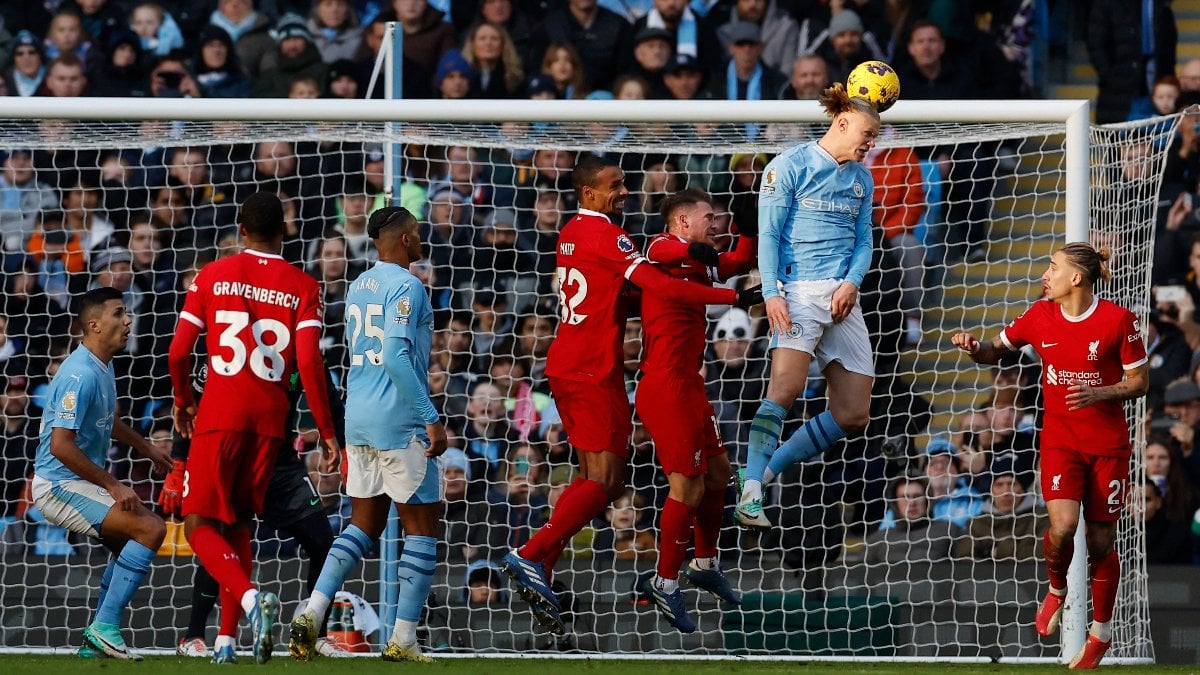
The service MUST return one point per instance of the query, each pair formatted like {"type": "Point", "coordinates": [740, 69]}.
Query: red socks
{"type": "Point", "coordinates": [578, 504]}
{"type": "Point", "coordinates": [1106, 576]}
{"type": "Point", "coordinates": [1058, 560]}
{"type": "Point", "coordinates": [222, 560]}
{"type": "Point", "coordinates": [709, 516]}
{"type": "Point", "coordinates": [676, 533]}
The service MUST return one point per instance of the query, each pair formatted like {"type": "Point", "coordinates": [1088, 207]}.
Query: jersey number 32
{"type": "Point", "coordinates": [572, 291]}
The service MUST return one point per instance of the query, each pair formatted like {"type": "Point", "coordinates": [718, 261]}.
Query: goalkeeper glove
{"type": "Point", "coordinates": [745, 220]}
{"type": "Point", "coordinates": [704, 253]}
{"type": "Point", "coordinates": [749, 297]}
{"type": "Point", "coordinates": [171, 497]}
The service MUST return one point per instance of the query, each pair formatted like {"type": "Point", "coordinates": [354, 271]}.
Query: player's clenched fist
{"type": "Point", "coordinates": [171, 497]}
{"type": "Point", "coordinates": [966, 342]}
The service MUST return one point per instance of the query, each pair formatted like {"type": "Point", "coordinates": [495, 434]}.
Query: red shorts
{"type": "Point", "coordinates": [227, 474]}
{"type": "Point", "coordinates": [596, 418]}
{"type": "Point", "coordinates": [1096, 481]}
{"type": "Point", "coordinates": [681, 420]}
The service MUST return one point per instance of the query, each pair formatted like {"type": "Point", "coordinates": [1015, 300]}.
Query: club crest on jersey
{"type": "Point", "coordinates": [1054, 482]}
{"type": "Point", "coordinates": [1093, 347]}
{"type": "Point", "coordinates": [858, 189]}
{"type": "Point", "coordinates": [625, 244]}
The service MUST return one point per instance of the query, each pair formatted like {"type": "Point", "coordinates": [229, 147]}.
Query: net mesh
{"type": "Point", "coordinates": [969, 213]}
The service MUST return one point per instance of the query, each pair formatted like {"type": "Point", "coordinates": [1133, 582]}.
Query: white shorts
{"type": "Point", "coordinates": [76, 505]}
{"type": "Point", "coordinates": [405, 475]}
{"type": "Point", "coordinates": [814, 332]}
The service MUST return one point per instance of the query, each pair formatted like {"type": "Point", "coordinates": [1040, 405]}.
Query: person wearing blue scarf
{"type": "Point", "coordinates": [747, 78]}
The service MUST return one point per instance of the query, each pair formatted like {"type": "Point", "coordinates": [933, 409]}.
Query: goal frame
{"type": "Point", "coordinates": [1073, 115]}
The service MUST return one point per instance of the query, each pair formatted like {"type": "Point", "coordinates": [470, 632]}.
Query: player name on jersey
{"type": "Point", "coordinates": [256, 293]}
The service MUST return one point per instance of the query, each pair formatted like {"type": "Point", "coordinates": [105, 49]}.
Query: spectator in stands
{"type": "Point", "coordinates": [83, 218]}
{"type": "Point", "coordinates": [1189, 76]}
{"type": "Point", "coordinates": [28, 68]}
{"type": "Point", "coordinates": [651, 54]}
{"type": "Point", "coordinates": [100, 18]}
{"type": "Point", "coordinates": [216, 68]}
{"type": "Point", "coordinates": [1168, 541]}
{"type": "Point", "coordinates": [122, 73]}
{"type": "Point", "coordinates": [249, 30]}
{"type": "Point", "coordinates": [34, 317]}
{"type": "Point", "coordinates": [66, 36]}
{"type": "Point", "coordinates": [1129, 55]}
{"type": "Point", "coordinates": [500, 266]}
{"type": "Point", "coordinates": [17, 445]}
{"type": "Point", "coordinates": [915, 537]}
{"type": "Point", "coordinates": [336, 30]}
{"type": "Point", "coordinates": [487, 435]}
{"type": "Point", "coordinates": [22, 197]}
{"type": "Point", "coordinates": [156, 28]}
{"type": "Point", "coordinates": [1161, 101]}
{"type": "Point", "coordinates": [343, 81]}
{"type": "Point", "coordinates": [65, 77]}
{"type": "Point", "coordinates": [492, 323]}
{"type": "Point", "coordinates": [170, 78]}
{"type": "Point", "coordinates": [209, 207]}
{"type": "Point", "coordinates": [628, 537]}
{"type": "Point", "coordinates": [1169, 354]}
{"type": "Point", "coordinates": [1008, 528]}
{"type": "Point", "coordinates": [779, 31]}
{"type": "Point", "coordinates": [485, 585]}
{"type": "Point", "coordinates": [304, 87]}
{"type": "Point", "coordinates": [352, 208]}
{"type": "Point", "coordinates": [809, 77]}
{"type": "Point", "coordinates": [498, 71]}
{"type": "Point", "coordinates": [448, 235]}
{"type": "Point", "coordinates": [1182, 405]}
{"type": "Point", "coordinates": [465, 176]}
{"type": "Point", "coordinates": [516, 500]}
{"type": "Point", "coordinates": [683, 79]}
{"type": "Point", "coordinates": [951, 496]}
{"type": "Point", "coordinates": [295, 57]}
{"type": "Point", "coordinates": [1180, 497]}
{"type": "Point", "coordinates": [602, 38]}
{"type": "Point", "coordinates": [455, 358]}
{"type": "Point", "coordinates": [561, 63]}
{"type": "Point", "coordinates": [426, 34]}
{"type": "Point", "coordinates": [899, 203]}
{"type": "Point", "coordinates": [333, 271]}
{"type": "Point", "coordinates": [454, 75]}
{"type": "Point", "coordinates": [747, 78]}
{"type": "Point", "coordinates": [524, 405]}
{"type": "Point", "coordinates": [534, 333]}
{"type": "Point", "coordinates": [549, 169]}
{"type": "Point", "coordinates": [61, 264]}
{"type": "Point", "coordinates": [689, 33]}
{"type": "Point", "coordinates": [848, 45]}
{"type": "Point", "coordinates": [464, 536]}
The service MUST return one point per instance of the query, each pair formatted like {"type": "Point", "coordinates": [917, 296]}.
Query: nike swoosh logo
{"type": "Point", "coordinates": [314, 501]}
{"type": "Point", "coordinates": [1048, 344]}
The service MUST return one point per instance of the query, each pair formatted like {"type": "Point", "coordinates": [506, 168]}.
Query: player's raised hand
{"type": "Point", "coordinates": [331, 451]}
{"type": "Point", "coordinates": [437, 439]}
{"type": "Point", "coordinates": [125, 497]}
{"type": "Point", "coordinates": [844, 299]}
{"type": "Point", "coordinates": [966, 342]}
{"type": "Point", "coordinates": [185, 420]}
{"type": "Point", "coordinates": [171, 497]}
{"type": "Point", "coordinates": [777, 315]}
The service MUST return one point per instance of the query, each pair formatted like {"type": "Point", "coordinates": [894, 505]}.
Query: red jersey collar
{"type": "Point", "coordinates": [597, 214]}
{"type": "Point", "coordinates": [260, 254]}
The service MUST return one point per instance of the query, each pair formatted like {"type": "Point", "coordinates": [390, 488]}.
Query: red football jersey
{"type": "Point", "coordinates": [251, 305]}
{"type": "Point", "coordinates": [673, 333]}
{"type": "Point", "coordinates": [1095, 348]}
{"type": "Point", "coordinates": [595, 257]}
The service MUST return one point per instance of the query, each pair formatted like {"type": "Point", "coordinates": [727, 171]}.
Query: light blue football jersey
{"type": "Point", "coordinates": [814, 218]}
{"type": "Point", "coordinates": [387, 389]}
{"type": "Point", "coordinates": [82, 397]}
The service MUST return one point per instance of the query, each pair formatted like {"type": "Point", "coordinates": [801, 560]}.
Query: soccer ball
{"type": "Point", "coordinates": [875, 81]}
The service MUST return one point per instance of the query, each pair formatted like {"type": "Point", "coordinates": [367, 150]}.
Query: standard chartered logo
{"type": "Point", "coordinates": [1051, 375]}
{"type": "Point", "coordinates": [1068, 377]}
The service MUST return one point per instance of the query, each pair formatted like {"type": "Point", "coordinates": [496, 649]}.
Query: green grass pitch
{"type": "Point", "coordinates": [41, 664]}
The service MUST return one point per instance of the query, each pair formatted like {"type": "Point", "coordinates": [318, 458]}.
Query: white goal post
{"type": "Point", "coordinates": [1050, 178]}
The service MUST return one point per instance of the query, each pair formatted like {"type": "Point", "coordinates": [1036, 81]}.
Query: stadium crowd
{"type": "Point", "coordinates": [143, 220]}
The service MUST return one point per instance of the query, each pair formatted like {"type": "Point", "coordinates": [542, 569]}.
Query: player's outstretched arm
{"type": "Point", "coordinates": [740, 260]}
{"type": "Point", "coordinates": [312, 375]}
{"type": "Point", "coordinates": [678, 290]}
{"type": "Point", "coordinates": [179, 363]}
{"type": "Point", "coordinates": [988, 353]}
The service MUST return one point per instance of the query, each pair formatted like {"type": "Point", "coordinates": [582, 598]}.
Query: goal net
{"type": "Point", "coordinates": [969, 214]}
